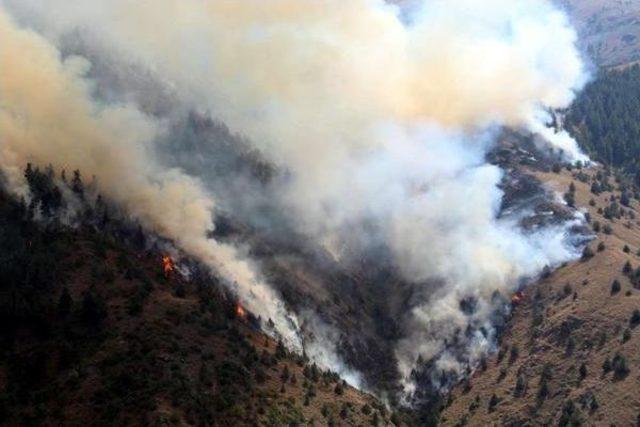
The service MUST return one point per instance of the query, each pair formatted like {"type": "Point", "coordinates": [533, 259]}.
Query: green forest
{"type": "Point", "coordinates": [605, 118]}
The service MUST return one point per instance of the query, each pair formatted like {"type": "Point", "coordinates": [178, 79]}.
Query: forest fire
{"type": "Point", "coordinates": [167, 265]}
{"type": "Point", "coordinates": [517, 298]}
{"type": "Point", "coordinates": [240, 311]}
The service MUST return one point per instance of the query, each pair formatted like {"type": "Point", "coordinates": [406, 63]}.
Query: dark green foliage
{"type": "Point", "coordinates": [493, 402]}
{"type": "Point", "coordinates": [46, 196]}
{"type": "Point", "coordinates": [635, 318]}
{"type": "Point", "coordinates": [607, 229]}
{"type": "Point", "coordinates": [515, 352]}
{"type": "Point", "coordinates": [601, 247]}
{"type": "Point", "coordinates": [582, 371]}
{"type": "Point", "coordinates": [570, 416]}
{"type": "Point", "coordinates": [543, 386]}
{"type": "Point", "coordinates": [605, 118]}
{"type": "Point", "coordinates": [65, 303]}
{"type": "Point", "coordinates": [619, 366]}
{"type": "Point", "coordinates": [615, 287]}
{"type": "Point", "coordinates": [180, 291]}
{"type": "Point", "coordinates": [521, 386]}
{"type": "Point", "coordinates": [570, 198]}
{"type": "Point", "coordinates": [281, 350]}
{"type": "Point", "coordinates": [94, 309]}
{"type": "Point", "coordinates": [596, 226]}
{"type": "Point", "coordinates": [284, 376]}
{"type": "Point", "coordinates": [626, 249]}
{"type": "Point", "coordinates": [627, 268]}
{"type": "Point", "coordinates": [76, 183]}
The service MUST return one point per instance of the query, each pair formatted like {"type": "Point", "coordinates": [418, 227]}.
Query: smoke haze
{"type": "Point", "coordinates": [379, 117]}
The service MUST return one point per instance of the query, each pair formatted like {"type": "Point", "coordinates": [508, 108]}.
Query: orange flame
{"type": "Point", "coordinates": [167, 265]}
{"type": "Point", "coordinates": [240, 311]}
{"type": "Point", "coordinates": [516, 299]}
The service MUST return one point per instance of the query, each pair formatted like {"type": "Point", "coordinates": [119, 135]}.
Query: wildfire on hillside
{"type": "Point", "coordinates": [240, 311]}
{"type": "Point", "coordinates": [167, 265]}
{"type": "Point", "coordinates": [517, 298]}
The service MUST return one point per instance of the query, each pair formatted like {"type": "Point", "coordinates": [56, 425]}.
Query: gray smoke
{"type": "Point", "coordinates": [377, 118]}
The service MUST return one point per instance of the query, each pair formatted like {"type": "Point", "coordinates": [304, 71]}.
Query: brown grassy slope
{"type": "Point", "coordinates": [565, 320]}
{"type": "Point", "coordinates": [172, 361]}
{"type": "Point", "coordinates": [609, 30]}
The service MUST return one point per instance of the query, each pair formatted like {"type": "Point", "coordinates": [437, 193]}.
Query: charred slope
{"type": "Point", "coordinates": [96, 332]}
{"type": "Point", "coordinates": [569, 353]}
{"type": "Point", "coordinates": [366, 300]}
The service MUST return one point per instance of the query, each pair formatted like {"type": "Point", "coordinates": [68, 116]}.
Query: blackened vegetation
{"type": "Point", "coordinates": [94, 333]}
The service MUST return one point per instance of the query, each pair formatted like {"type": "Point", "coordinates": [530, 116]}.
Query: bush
{"type": "Point", "coordinates": [493, 402]}
{"type": "Point", "coordinates": [521, 386]}
{"type": "Point", "coordinates": [635, 318]}
{"type": "Point", "coordinates": [94, 309]}
{"type": "Point", "coordinates": [607, 229]}
{"type": "Point", "coordinates": [596, 226]}
{"type": "Point", "coordinates": [65, 303]}
{"type": "Point", "coordinates": [587, 253]}
{"type": "Point", "coordinates": [582, 371]}
{"type": "Point", "coordinates": [570, 199]}
{"type": "Point", "coordinates": [180, 291]}
{"type": "Point", "coordinates": [626, 249]}
{"type": "Point", "coordinates": [570, 415]}
{"type": "Point", "coordinates": [515, 352]}
{"type": "Point", "coordinates": [285, 374]}
{"type": "Point", "coordinates": [619, 365]}
{"type": "Point", "coordinates": [615, 287]}
{"type": "Point", "coordinates": [543, 390]}
{"type": "Point", "coordinates": [601, 247]}
{"type": "Point", "coordinates": [627, 268]}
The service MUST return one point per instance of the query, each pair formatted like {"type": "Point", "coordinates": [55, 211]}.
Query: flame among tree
{"type": "Point", "coordinates": [167, 265]}
{"type": "Point", "coordinates": [516, 299]}
{"type": "Point", "coordinates": [240, 311]}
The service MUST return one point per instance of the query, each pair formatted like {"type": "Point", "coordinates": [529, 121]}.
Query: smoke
{"type": "Point", "coordinates": [381, 117]}
{"type": "Point", "coordinates": [48, 117]}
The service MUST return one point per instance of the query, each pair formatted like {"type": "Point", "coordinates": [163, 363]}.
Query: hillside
{"type": "Point", "coordinates": [609, 30]}
{"type": "Point", "coordinates": [98, 330]}
{"type": "Point", "coordinates": [569, 355]}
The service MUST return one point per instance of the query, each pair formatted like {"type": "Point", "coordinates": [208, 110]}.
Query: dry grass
{"type": "Point", "coordinates": [594, 311]}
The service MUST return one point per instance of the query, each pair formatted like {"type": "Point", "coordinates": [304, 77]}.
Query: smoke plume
{"type": "Point", "coordinates": [48, 117]}
{"type": "Point", "coordinates": [380, 115]}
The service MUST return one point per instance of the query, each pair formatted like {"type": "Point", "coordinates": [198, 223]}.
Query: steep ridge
{"type": "Point", "coordinates": [569, 354]}
{"type": "Point", "coordinates": [102, 327]}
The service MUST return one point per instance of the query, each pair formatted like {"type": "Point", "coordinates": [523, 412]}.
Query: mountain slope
{"type": "Point", "coordinates": [97, 332]}
{"type": "Point", "coordinates": [609, 30]}
{"type": "Point", "coordinates": [570, 352]}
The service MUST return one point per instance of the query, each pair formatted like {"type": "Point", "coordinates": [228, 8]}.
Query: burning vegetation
{"type": "Point", "coordinates": [240, 312]}
{"type": "Point", "coordinates": [167, 266]}
{"type": "Point", "coordinates": [516, 299]}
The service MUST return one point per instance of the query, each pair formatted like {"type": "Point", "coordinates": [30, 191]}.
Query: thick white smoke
{"type": "Point", "coordinates": [380, 115]}
{"type": "Point", "coordinates": [48, 117]}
